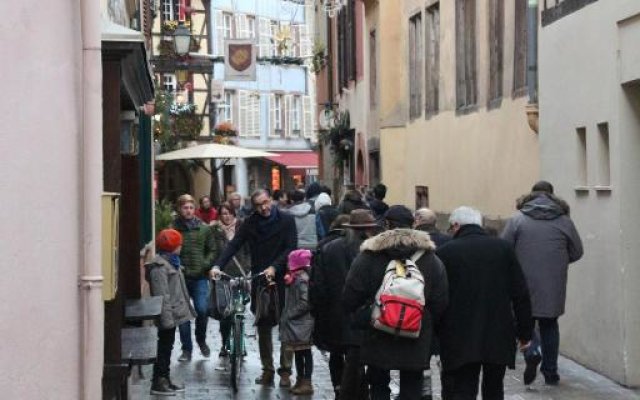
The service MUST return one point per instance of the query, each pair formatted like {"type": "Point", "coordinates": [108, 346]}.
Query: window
{"type": "Point", "coordinates": [248, 113]}
{"type": "Point", "coordinates": [227, 25]}
{"type": "Point", "coordinates": [227, 106]}
{"type": "Point", "coordinates": [415, 66]}
{"type": "Point", "coordinates": [373, 73]}
{"type": "Point", "coordinates": [251, 26]}
{"type": "Point", "coordinates": [604, 159]}
{"type": "Point", "coordinates": [225, 29]}
{"type": "Point", "coordinates": [347, 44]}
{"type": "Point", "coordinates": [169, 82]}
{"type": "Point", "coordinates": [170, 10]}
{"type": "Point", "coordinates": [465, 54]}
{"type": "Point", "coordinates": [422, 197]}
{"type": "Point", "coordinates": [432, 59]}
{"type": "Point", "coordinates": [496, 40]}
{"type": "Point", "coordinates": [296, 116]}
{"type": "Point", "coordinates": [582, 156]}
{"type": "Point", "coordinates": [520, 49]}
{"type": "Point", "coordinates": [274, 29]}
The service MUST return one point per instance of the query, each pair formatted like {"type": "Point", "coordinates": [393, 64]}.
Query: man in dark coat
{"type": "Point", "coordinates": [382, 351]}
{"type": "Point", "coordinates": [546, 242]}
{"type": "Point", "coordinates": [334, 331]}
{"type": "Point", "coordinates": [489, 308]}
{"type": "Point", "coordinates": [425, 220]}
{"type": "Point", "coordinates": [271, 236]}
{"type": "Point", "coordinates": [377, 204]}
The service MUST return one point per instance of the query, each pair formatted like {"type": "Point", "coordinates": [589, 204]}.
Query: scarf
{"type": "Point", "coordinates": [267, 226]}
{"type": "Point", "coordinates": [229, 230]}
{"type": "Point", "coordinates": [172, 258]}
{"type": "Point", "coordinates": [291, 276]}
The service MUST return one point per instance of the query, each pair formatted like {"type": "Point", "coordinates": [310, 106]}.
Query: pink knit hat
{"type": "Point", "coordinates": [299, 259]}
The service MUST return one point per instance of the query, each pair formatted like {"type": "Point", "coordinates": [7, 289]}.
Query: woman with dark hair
{"type": "Point", "coordinates": [226, 228]}
{"type": "Point", "coordinates": [281, 199]}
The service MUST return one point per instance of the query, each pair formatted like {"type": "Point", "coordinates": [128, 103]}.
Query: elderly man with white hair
{"type": "Point", "coordinates": [425, 220]}
{"type": "Point", "coordinates": [488, 298]}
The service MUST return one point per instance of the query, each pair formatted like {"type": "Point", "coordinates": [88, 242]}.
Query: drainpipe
{"type": "Point", "coordinates": [90, 280]}
{"type": "Point", "coordinates": [532, 64]}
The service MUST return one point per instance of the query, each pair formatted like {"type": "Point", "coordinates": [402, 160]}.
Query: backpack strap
{"type": "Point", "coordinates": [416, 256]}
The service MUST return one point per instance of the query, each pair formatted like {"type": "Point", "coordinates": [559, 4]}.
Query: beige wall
{"type": "Point", "coordinates": [39, 145]}
{"type": "Point", "coordinates": [484, 159]}
{"type": "Point", "coordinates": [585, 58]}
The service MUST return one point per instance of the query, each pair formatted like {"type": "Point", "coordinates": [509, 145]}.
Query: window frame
{"type": "Point", "coordinates": [466, 56]}
{"type": "Point", "coordinates": [415, 65]}
{"type": "Point", "coordinates": [432, 59]}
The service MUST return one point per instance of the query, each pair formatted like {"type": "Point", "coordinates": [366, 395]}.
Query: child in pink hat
{"type": "Point", "coordinates": [296, 322]}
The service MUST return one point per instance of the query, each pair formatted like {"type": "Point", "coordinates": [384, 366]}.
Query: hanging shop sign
{"type": "Point", "coordinates": [239, 60]}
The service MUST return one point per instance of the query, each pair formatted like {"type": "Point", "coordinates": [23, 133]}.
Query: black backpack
{"type": "Point", "coordinates": [221, 300]}
{"type": "Point", "coordinates": [267, 308]}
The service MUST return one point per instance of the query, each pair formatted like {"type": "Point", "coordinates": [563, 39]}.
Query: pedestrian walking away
{"type": "Point", "coordinates": [383, 351]}
{"type": "Point", "coordinates": [296, 324]}
{"type": "Point", "coordinates": [325, 214]}
{"type": "Point", "coordinates": [305, 218]}
{"type": "Point", "coordinates": [199, 249]}
{"type": "Point", "coordinates": [335, 331]}
{"type": "Point", "coordinates": [271, 236]}
{"type": "Point", "coordinates": [165, 277]}
{"type": "Point", "coordinates": [546, 242]}
{"type": "Point", "coordinates": [489, 309]}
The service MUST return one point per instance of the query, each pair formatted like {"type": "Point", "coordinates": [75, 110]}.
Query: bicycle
{"type": "Point", "coordinates": [240, 289]}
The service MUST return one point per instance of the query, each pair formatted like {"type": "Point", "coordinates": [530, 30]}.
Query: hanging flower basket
{"type": "Point", "coordinates": [219, 139]}
{"type": "Point", "coordinates": [225, 129]}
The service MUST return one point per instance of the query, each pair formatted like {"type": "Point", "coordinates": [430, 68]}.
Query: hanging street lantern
{"type": "Point", "coordinates": [182, 39]}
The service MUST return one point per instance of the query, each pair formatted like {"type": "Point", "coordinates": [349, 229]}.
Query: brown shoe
{"type": "Point", "coordinates": [295, 386]}
{"type": "Point", "coordinates": [285, 380]}
{"type": "Point", "coordinates": [266, 379]}
{"type": "Point", "coordinates": [305, 388]}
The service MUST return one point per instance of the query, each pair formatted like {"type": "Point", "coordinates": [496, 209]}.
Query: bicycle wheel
{"type": "Point", "coordinates": [236, 354]}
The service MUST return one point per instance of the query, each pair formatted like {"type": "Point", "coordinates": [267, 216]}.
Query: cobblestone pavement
{"type": "Point", "coordinates": [209, 378]}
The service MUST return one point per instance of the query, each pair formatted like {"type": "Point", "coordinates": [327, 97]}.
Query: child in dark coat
{"type": "Point", "coordinates": [296, 323]}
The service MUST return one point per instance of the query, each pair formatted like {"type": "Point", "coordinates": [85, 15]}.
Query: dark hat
{"type": "Point", "coordinates": [361, 219]}
{"type": "Point", "coordinates": [400, 215]}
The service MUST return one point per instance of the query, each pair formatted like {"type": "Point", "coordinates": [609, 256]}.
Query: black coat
{"type": "Point", "coordinates": [365, 277]}
{"type": "Point", "coordinates": [489, 304]}
{"type": "Point", "coordinates": [436, 236]}
{"type": "Point", "coordinates": [333, 330]}
{"type": "Point", "coordinates": [269, 247]}
{"type": "Point", "coordinates": [326, 215]}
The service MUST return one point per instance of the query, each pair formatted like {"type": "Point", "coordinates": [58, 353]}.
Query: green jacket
{"type": "Point", "coordinates": [199, 247]}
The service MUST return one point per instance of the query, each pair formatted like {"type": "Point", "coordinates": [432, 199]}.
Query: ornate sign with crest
{"type": "Point", "coordinates": [239, 60]}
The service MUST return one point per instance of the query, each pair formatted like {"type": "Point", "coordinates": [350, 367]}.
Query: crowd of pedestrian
{"type": "Point", "coordinates": [378, 287]}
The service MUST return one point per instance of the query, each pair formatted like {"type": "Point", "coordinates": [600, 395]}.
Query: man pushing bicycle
{"type": "Point", "coordinates": [271, 236]}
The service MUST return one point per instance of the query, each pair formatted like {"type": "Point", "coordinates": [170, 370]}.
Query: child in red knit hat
{"type": "Point", "coordinates": [166, 279]}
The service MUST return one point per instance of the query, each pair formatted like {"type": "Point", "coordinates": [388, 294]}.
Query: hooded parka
{"type": "Point", "coordinates": [381, 349]}
{"type": "Point", "coordinates": [167, 281]}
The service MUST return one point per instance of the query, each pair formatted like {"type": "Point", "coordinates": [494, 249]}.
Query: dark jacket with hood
{"type": "Point", "coordinates": [546, 242]}
{"type": "Point", "coordinates": [381, 349]}
{"type": "Point", "coordinates": [378, 207]}
{"type": "Point", "coordinates": [199, 247]}
{"type": "Point", "coordinates": [489, 305]}
{"type": "Point", "coordinates": [167, 281]}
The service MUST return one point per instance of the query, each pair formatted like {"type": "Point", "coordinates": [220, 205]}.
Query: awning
{"type": "Point", "coordinates": [214, 150]}
{"type": "Point", "coordinates": [296, 159]}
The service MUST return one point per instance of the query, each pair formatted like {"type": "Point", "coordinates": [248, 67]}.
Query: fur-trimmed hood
{"type": "Point", "coordinates": [399, 242]}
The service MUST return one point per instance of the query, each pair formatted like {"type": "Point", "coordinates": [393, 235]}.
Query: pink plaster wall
{"type": "Point", "coordinates": [40, 151]}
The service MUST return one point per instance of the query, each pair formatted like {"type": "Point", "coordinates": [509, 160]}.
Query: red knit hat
{"type": "Point", "coordinates": [168, 240]}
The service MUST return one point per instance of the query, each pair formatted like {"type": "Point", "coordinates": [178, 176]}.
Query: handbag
{"type": "Point", "coordinates": [267, 310]}
{"type": "Point", "coordinates": [221, 300]}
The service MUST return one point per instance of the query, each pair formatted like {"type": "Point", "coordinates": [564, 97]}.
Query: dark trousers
{"type": "Point", "coordinates": [336, 367]}
{"type": "Point", "coordinates": [462, 383]}
{"type": "Point", "coordinates": [265, 346]}
{"type": "Point", "coordinates": [304, 363]}
{"type": "Point", "coordinates": [166, 337]}
{"type": "Point", "coordinates": [410, 384]}
{"type": "Point", "coordinates": [199, 292]}
{"type": "Point", "coordinates": [549, 342]}
{"type": "Point", "coordinates": [354, 383]}
{"type": "Point", "coordinates": [225, 330]}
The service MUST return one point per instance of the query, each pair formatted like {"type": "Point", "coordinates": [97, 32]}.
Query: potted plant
{"type": "Point", "coordinates": [224, 133]}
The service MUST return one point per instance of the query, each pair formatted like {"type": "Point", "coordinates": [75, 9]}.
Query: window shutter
{"type": "Point", "coordinates": [305, 45]}
{"type": "Point", "coordinates": [307, 120]}
{"type": "Point", "coordinates": [264, 37]}
{"type": "Point", "coordinates": [219, 33]}
{"type": "Point", "coordinates": [288, 120]}
{"type": "Point", "coordinates": [242, 113]}
{"type": "Point", "coordinates": [255, 114]}
{"type": "Point", "coordinates": [272, 114]}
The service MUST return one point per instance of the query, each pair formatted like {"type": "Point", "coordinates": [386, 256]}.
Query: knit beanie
{"type": "Point", "coordinates": [168, 240]}
{"type": "Point", "coordinates": [322, 200]}
{"type": "Point", "coordinates": [299, 259]}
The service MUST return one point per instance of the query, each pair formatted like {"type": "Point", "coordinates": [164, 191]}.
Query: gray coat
{"type": "Point", "coordinates": [296, 322]}
{"type": "Point", "coordinates": [167, 281]}
{"type": "Point", "coordinates": [305, 225]}
{"type": "Point", "coordinates": [546, 242]}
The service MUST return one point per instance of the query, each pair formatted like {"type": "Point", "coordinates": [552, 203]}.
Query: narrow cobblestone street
{"type": "Point", "coordinates": [209, 378]}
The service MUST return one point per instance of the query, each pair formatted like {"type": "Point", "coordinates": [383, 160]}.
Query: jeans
{"type": "Point", "coordinates": [304, 363]}
{"type": "Point", "coordinates": [462, 383]}
{"type": "Point", "coordinates": [199, 292]}
{"type": "Point", "coordinates": [549, 342]}
{"type": "Point", "coordinates": [410, 384]}
{"type": "Point", "coordinates": [265, 345]}
{"type": "Point", "coordinates": [354, 382]}
{"type": "Point", "coordinates": [166, 337]}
